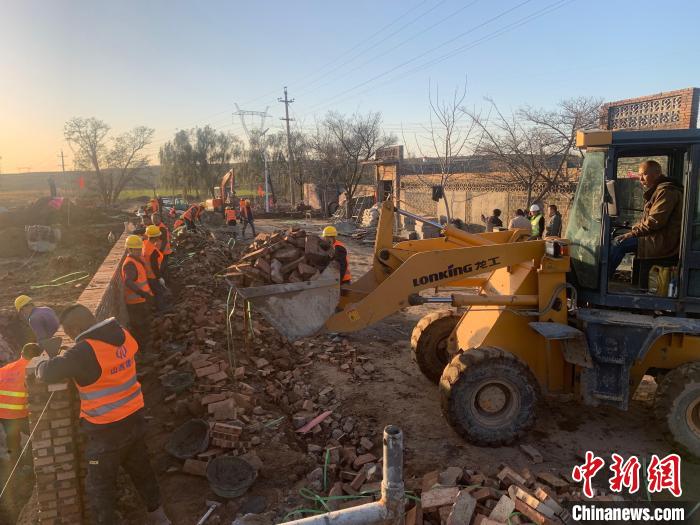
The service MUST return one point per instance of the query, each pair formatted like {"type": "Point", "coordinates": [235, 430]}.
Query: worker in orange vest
{"type": "Point", "coordinates": [230, 216]}
{"type": "Point", "coordinates": [153, 206]}
{"type": "Point", "coordinates": [192, 214]}
{"type": "Point", "coordinates": [165, 243]}
{"type": "Point", "coordinates": [247, 217]}
{"type": "Point", "coordinates": [14, 400]}
{"type": "Point", "coordinates": [137, 292]}
{"type": "Point", "coordinates": [179, 223]}
{"type": "Point", "coordinates": [153, 260]}
{"type": "Point", "coordinates": [103, 367]}
{"type": "Point", "coordinates": [340, 253]}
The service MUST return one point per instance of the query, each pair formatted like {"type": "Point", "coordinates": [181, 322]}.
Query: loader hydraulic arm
{"type": "Point", "coordinates": [430, 269]}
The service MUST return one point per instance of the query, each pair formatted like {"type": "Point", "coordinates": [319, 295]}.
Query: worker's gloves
{"type": "Point", "coordinates": [162, 282]}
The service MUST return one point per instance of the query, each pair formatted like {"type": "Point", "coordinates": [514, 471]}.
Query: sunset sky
{"type": "Point", "coordinates": [177, 64]}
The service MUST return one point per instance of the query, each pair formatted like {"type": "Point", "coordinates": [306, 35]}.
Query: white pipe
{"type": "Point", "coordinates": [390, 509]}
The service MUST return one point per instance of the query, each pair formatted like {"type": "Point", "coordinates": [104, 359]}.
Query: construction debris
{"type": "Point", "coordinates": [282, 257]}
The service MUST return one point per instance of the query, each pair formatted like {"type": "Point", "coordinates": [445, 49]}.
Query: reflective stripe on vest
{"type": "Point", "coordinates": [146, 252]}
{"type": "Point", "coordinates": [230, 215]}
{"type": "Point", "coordinates": [13, 391]}
{"type": "Point", "coordinates": [535, 223]}
{"type": "Point", "coordinates": [191, 213]}
{"type": "Point", "coordinates": [131, 297]}
{"type": "Point", "coordinates": [164, 229]}
{"type": "Point", "coordinates": [347, 277]}
{"type": "Point", "coordinates": [117, 392]}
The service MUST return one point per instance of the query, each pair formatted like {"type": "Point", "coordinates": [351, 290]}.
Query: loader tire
{"type": "Point", "coordinates": [429, 342]}
{"type": "Point", "coordinates": [677, 404]}
{"type": "Point", "coordinates": [489, 396]}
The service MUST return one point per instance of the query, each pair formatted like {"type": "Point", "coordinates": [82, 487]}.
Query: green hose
{"type": "Point", "coordinates": [59, 281]}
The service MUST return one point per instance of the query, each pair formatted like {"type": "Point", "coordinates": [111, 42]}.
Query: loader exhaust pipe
{"type": "Point", "coordinates": [389, 510]}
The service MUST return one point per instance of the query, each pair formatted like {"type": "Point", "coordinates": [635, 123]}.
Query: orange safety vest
{"type": "Point", "coordinates": [347, 277]}
{"type": "Point", "coordinates": [146, 252]}
{"type": "Point", "coordinates": [178, 224]}
{"type": "Point", "coordinates": [191, 214]}
{"type": "Point", "coordinates": [168, 250]}
{"type": "Point", "coordinates": [117, 393]}
{"type": "Point", "coordinates": [131, 297]}
{"type": "Point", "coordinates": [230, 215]}
{"type": "Point", "coordinates": [155, 206]}
{"type": "Point", "coordinates": [13, 390]}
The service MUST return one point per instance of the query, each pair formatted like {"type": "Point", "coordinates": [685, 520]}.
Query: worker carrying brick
{"type": "Point", "coordinates": [41, 319]}
{"type": "Point", "coordinates": [137, 292]}
{"type": "Point", "coordinates": [103, 368]}
{"type": "Point", "coordinates": [192, 215]}
{"type": "Point", "coordinates": [165, 245]}
{"type": "Point", "coordinates": [246, 213]}
{"type": "Point", "coordinates": [153, 261]}
{"type": "Point", "coordinates": [340, 253]}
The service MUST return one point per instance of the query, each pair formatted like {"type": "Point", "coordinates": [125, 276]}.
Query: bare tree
{"type": "Point", "coordinates": [127, 159]}
{"type": "Point", "coordinates": [447, 133]}
{"type": "Point", "coordinates": [534, 147]}
{"type": "Point", "coordinates": [114, 166]}
{"type": "Point", "coordinates": [353, 140]}
{"type": "Point", "coordinates": [87, 138]}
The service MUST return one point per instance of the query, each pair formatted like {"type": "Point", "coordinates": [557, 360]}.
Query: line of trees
{"type": "Point", "coordinates": [530, 148]}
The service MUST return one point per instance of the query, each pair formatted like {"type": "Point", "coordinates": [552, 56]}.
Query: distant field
{"type": "Point", "coordinates": [21, 188]}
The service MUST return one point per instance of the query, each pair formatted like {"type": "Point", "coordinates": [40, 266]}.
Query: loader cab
{"type": "Point", "coordinates": [609, 200]}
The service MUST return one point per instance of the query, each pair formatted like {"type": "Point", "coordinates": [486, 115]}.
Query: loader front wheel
{"type": "Point", "coordinates": [677, 404]}
{"type": "Point", "coordinates": [489, 396]}
{"type": "Point", "coordinates": [429, 342]}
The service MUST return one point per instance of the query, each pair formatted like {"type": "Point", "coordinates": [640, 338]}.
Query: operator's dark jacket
{"type": "Point", "coordinates": [659, 230]}
{"type": "Point", "coordinates": [80, 364]}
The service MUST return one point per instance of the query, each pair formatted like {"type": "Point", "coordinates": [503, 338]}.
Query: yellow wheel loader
{"type": "Point", "coordinates": [537, 316]}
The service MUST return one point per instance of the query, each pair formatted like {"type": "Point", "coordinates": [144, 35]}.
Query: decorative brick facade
{"type": "Point", "coordinates": [57, 444]}
{"type": "Point", "coordinates": [668, 110]}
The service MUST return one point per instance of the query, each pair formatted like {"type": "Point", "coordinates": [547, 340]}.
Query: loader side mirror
{"type": "Point", "coordinates": [611, 198]}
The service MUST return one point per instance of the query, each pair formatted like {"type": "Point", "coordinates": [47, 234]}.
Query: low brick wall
{"type": "Point", "coordinates": [57, 444]}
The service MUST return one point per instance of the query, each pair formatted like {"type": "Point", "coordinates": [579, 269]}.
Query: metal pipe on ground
{"type": "Point", "coordinates": [389, 510]}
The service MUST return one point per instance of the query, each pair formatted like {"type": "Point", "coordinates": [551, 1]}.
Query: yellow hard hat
{"type": "Point", "coordinates": [134, 242]}
{"type": "Point", "coordinates": [22, 301]}
{"type": "Point", "coordinates": [330, 231]}
{"type": "Point", "coordinates": [153, 231]}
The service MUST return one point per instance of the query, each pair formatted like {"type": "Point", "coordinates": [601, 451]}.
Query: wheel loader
{"type": "Point", "coordinates": [537, 317]}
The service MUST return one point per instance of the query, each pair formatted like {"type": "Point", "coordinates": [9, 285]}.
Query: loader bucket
{"type": "Point", "coordinates": [295, 310]}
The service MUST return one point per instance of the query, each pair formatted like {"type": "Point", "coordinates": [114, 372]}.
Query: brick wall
{"type": "Point", "coordinates": [667, 110]}
{"type": "Point", "coordinates": [57, 443]}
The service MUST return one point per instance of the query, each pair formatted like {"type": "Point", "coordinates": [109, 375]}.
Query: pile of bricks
{"type": "Point", "coordinates": [282, 257]}
{"type": "Point", "coordinates": [56, 452]}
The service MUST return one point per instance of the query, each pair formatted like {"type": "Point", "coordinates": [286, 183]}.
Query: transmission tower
{"type": "Point", "coordinates": [262, 115]}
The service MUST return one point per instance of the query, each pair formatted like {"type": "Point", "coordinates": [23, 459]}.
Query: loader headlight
{"type": "Point", "coordinates": [556, 249]}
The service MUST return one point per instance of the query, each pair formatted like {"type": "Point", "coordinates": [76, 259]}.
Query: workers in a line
{"type": "Point", "coordinates": [153, 262]}
{"type": "Point", "coordinates": [102, 365]}
{"type": "Point", "coordinates": [14, 407]}
{"type": "Point", "coordinates": [165, 245]}
{"type": "Point", "coordinates": [230, 217]}
{"type": "Point", "coordinates": [193, 214]}
{"type": "Point", "coordinates": [340, 253]}
{"type": "Point", "coordinates": [137, 292]}
{"type": "Point", "coordinates": [246, 213]}
{"type": "Point", "coordinates": [41, 319]}
{"type": "Point", "coordinates": [658, 233]}
{"type": "Point", "coordinates": [536, 222]}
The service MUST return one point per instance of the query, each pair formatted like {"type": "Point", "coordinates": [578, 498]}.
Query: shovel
{"type": "Point", "coordinates": [295, 310]}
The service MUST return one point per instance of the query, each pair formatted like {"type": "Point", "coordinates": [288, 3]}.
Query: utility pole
{"type": "Point", "coordinates": [286, 118]}
{"type": "Point", "coordinates": [63, 162]}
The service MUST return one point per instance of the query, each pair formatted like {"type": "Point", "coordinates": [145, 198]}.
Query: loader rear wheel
{"type": "Point", "coordinates": [677, 404]}
{"type": "Point", "coordinates": [489, 396]}
{"type": "Point", "coordinates": [429, 342]}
